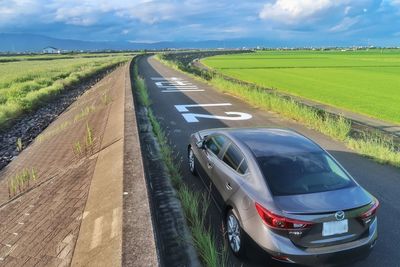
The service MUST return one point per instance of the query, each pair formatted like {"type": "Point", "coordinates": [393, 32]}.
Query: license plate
{"type": "Point", "coordinates": [334, 228]}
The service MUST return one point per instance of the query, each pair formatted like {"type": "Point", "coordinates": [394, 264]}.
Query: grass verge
{"type": "Point", "coordinates": [25, 86]}
{"type": "Point", "coordinates": [194, 205]}
{"type": "Point", "coordinates": [372, 145]}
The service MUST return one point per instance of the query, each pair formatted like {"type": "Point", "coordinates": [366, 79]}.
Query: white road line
{"type": "Point", "coordinates": [97, 233]}
{"type": "Point", "coordinates": [164, 85]}
{"type": "Point", "coordinates": [116, 218]}
{"type": "Point", "coordinates": [183, 90]}
{"type": "Point", "coordinates": [165, 78]}
{"type": "Point", "coordinates": [184, 108]}
{"type": "Point", "coordinates": [240, 116]}
{"type": "Point", "coordinates": [179, 86]}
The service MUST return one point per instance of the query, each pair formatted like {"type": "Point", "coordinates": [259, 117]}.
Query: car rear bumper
{"type": "Point", "coordinates": [281, 248]}
{"type": "Point", "coordinates": [327, 259]}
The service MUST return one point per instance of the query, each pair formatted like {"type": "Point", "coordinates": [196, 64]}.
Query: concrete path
{"type": "Point", "coordinates": [72, 210]}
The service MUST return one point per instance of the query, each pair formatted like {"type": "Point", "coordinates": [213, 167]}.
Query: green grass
{"type": "Point", "coordinates": [25, 85]}
{"type": "Point", "coordinates": [194, 204]}
{"type": "Point", "coordinates": [372, 145]}
{"type": "Point", "coordinates": [365, 82]}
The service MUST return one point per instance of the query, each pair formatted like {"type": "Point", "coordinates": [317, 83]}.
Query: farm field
{"type": "Point", "coordinates": [25, 83]}
{"type": "Point", "coordinates": [366, 82]}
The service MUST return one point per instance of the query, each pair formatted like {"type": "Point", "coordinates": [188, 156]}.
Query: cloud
{"type": "Point", "coordinates": [285, 20]}
{"type": "Point", "coordinates": [345, 24]}
{"type": "Point", "coordinates": [289, 11]}
{"type": "Point", "coordinates": [152, 12]}
{"type": "Point", "coordinates": [17, 9]}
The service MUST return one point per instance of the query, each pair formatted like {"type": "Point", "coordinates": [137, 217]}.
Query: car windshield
{"type": "Point", "coordinates": [303, 173]}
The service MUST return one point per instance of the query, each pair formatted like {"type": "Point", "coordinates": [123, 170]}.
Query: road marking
{"type": "Point", "coordinates": [180, 91]}
{"type": "Point", "coordinates": [174, 85]}
{"type": "Point", "coordinates": [115, 222]}
{"type": "Point", "coordinates": [180, 87]}
{"type": "Point", "coordinates": [192, 117]}
{"type": "Point", "coordinates": [184, 108]}
{"type": "Point", "coordinates": [97, 233]}
{"type": "Point", "coordinates": [165, 79]}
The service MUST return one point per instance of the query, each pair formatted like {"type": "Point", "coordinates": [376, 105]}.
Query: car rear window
{"type": "Point", "coordinates": [303, 173]}
{"type": "Point", "coordinates": [234, 158]}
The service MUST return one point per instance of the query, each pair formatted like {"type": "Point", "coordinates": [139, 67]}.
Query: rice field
{"type": "Point", "coordinates": [26, 83]}
{"type": "Point", "coordinates": [365, 82]}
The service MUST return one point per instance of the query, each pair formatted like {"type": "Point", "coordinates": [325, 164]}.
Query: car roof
{"type": "Point", "coordinates": [272, 141]}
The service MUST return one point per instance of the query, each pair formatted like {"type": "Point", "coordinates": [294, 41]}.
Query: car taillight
{"type": "Point", "coordinates": [367, 216]}
{"type": "Point", "coordinates": [279, 222]}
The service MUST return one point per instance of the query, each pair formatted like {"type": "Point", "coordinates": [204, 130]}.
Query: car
{"type": "Point", "coordinates": [287, 194]}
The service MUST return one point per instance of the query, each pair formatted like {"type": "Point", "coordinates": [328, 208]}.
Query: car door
{"type": "Point", "coordinates": [214, 145]}
{"type": "Point", "coordinates": [229, 171]}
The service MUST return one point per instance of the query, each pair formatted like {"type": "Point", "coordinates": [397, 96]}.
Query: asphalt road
{"type": "Point", "coordinates": [179, 121]}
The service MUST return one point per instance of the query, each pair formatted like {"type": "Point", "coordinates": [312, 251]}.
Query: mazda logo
{"type": "Point", "coordinates": [339, 215]}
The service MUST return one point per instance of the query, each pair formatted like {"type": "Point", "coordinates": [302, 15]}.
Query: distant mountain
{"type": "Point", "coordinates": [15, 42]}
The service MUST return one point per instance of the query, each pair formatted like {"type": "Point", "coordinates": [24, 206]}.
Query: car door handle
{"type": "Point", "coordinates": [228, 186]}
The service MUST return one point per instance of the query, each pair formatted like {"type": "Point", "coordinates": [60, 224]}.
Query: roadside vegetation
{"type": "Point", "coordinates": [27, 84]}
{"type": "Point", "coordinates": [194, 204]}
{"type": "Point", "coordinates": [364, 82]}
{"type": "Point", "coordinates": [373, 145]}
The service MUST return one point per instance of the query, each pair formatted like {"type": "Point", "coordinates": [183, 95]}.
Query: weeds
{"type": "Point", "coordinates": [21, 181]}
{"type": "Point", "coordinates": [77, 148]}
{"type": "Point", "coordinates": [84, 113]}
{"type": "Point", "coordinates": [89, 135]}
{"type": "Point", "coordinates": [194, 204]}
{"type": "Point", "coordinates": [106, 99]}
{"type": "Point", "coordinates": [19, 145]}
{"type": "Point", "coordinates": [85, 148]}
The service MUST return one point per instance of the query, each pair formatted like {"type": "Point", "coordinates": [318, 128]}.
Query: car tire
{"type": "Point", "coordinates": [235, 235]}
{"type": "Point", "coordinates": [192, 162]}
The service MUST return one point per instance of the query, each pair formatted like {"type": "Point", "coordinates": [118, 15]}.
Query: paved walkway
{"type": "Point", "coordinates": [69, 208]}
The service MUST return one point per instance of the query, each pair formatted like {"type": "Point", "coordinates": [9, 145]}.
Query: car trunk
{"type": "Point", "coordinates": [328, 228]}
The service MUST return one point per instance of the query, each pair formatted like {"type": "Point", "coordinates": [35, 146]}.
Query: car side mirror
{"type": "Point", "coordinates": [201, 144]}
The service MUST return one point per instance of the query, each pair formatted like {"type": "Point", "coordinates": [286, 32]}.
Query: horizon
{"type": "Point", "coordinates": [276, 23]}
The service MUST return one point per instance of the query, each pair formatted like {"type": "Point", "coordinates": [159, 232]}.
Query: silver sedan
{"type": "Point", "coordinates": [283, 191]}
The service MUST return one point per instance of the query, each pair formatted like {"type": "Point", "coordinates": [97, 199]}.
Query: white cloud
{"type": "Point", "coordinates": [395, 2]}
{"type": "Point", "coordinates": [82, 16]}
{"type": "Point", "coordinates": [13, 9]}
{"type": "Point", "coordinates": [294, 11]}
{"type": "Point", "coordinates": [152, 12]}
{"type": "Point", "coordinates": [345, 24]}
{"type": "Point", "coordinates": [347, 10]}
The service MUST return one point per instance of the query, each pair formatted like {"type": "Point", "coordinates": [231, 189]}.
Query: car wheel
{"type": "Point", "coordinates": [235, 234]}
{"type": "Point", "coordinates": [192, 162]}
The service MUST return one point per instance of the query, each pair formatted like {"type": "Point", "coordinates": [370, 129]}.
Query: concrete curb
{"type": "Point", "coordinates": [138, 240]}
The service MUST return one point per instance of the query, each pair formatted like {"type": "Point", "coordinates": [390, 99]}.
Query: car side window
{"type": "Point", "coordinates": [242, 167]}
{"type": "Point", "coordinates": [234, 158]}
{"type": "Point", "coordinates": [216, 143]}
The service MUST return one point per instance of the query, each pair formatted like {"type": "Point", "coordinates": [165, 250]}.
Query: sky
{"type": "Point", "coordinates": [302, 22]}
